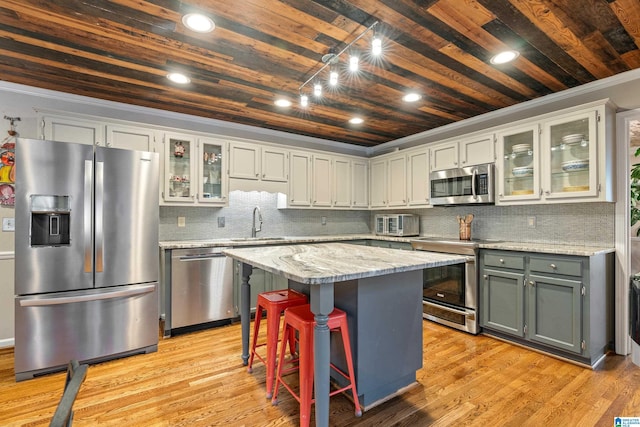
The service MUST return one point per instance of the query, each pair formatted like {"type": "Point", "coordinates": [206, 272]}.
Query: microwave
{"type": "Point", "coordinates": [463, 186]}
{"type": "Point", "coordinates": [398, 225]}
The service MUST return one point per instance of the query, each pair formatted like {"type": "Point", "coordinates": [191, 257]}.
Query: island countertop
{"type": "Point", "coordinates": [336, 262]}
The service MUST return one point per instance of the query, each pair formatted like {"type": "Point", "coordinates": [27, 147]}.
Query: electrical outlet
{"type": "Point", "coordinates": [323, 220]}
{"type": "Point", "coordinates": [182, 221]}
{"type": "Point", "coordinates": [531, 222]}
{"type": "Point", "coordinates": [220, 222]}
{"type": "Point", "coordinates": [8, 224]}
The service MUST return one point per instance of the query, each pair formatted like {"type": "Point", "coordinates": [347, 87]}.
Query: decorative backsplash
{"type": "Point", "coordinates": [583, 224]}
{"type": "Point", "coordinates": [202, 223]}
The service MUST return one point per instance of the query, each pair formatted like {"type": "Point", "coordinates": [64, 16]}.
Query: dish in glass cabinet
{"type": "Point", "coordinates": [521, 192]}
{"type": "Point", "coordinates": [573, 188]}
{"type": "Point", "coordinates": [573, 138]}
{"type": "Point", "coordinates": [575, 165]}
{"type": "Point", "coordinates": [520, 148]}
{"type": "Point", "coordinates": [522, 171]}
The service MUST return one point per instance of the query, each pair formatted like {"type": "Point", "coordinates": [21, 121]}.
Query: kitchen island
{"type": "Point", "coordinates": [381, 291]}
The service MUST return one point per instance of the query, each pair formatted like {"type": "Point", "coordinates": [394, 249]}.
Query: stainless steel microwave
{"type": "Point", "coordinates": [463, 186]}
{"type": "Point", "coordinates": [398, 225]}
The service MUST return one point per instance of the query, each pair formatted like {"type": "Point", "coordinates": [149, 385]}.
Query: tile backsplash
{"type": "Point", "coordinates": [202, 222]}
{"type": "Point", "coordinates": [583, 224]}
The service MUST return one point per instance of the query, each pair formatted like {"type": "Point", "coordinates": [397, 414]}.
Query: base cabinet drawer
{"type": "Point", "coordinates": [556, 303]}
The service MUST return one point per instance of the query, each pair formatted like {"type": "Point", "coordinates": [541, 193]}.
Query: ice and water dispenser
{"type": "Point", "coordinates": [50, 216]}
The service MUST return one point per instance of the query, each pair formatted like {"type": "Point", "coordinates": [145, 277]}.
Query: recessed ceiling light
{"type": "Point", "coordinates": [179, 78]}
{"type": "Point", "coordinates": [356, 120]}
{"type": "Point", "coordinates": [411, 97]}
{"type": "Point", "coordinates": [198, 22]}
{"type": "Point", "coordinates": [281, 102]}
{"type": "Point", "coordinates": [504, 57]}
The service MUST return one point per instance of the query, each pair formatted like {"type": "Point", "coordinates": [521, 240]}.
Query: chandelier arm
{"type": "Point", "coordinates": [337, 55]}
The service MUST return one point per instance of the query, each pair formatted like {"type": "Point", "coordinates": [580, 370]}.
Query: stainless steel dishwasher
{"type": "Point", "coordinates": [201, 287]}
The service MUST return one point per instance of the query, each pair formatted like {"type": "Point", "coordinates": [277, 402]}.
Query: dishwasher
{"type": "Point", "coordinates": [201, 288]}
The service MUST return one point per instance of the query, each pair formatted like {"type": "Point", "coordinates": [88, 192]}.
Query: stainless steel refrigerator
{"type": "Point", "coordinates": [86, 245]}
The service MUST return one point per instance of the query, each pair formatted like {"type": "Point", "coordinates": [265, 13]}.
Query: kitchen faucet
{"type": "Point", "coordinates": [253, 228]}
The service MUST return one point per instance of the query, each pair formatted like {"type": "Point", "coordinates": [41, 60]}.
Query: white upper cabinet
{"type": "Point", "coordinates": [212, 176]}
{"type": "Point", "coordinates": [300, 182]}
{"type": "Point", "coordinates": [518, 165]}
{"type": "Point", "coordinates": [275, 164]}
{"type": "Point", "coordinates": [418, 177]}
{"type": "Point", "coordinates": [475, 150]}
{"type": "Point", "coordinates": [179, 168]}
{"type": "Point", "coordinates": [360, 183]}
{"type": "Point", "coordinates": [130, 137]}
{"type": "Point", "coordinates": [558, 158]}
{"type": "Point", "coordinates": [444, 156]}
{"type": "Point", "coordinates": [397, 180]}
{"type": "Point", "coordinates": [322, 177]}
{"type": "Point", "coordinates": [255, 162]}
{"type": "Point", "coordinates": [244, 161]}
{"type": "Point", "coordinates": [194, 170]}
{"type": "Point", "coordinates": [342, 182]}
{"type": "Point", "coordinates": [378, 170]}
{"type": "Point", "coordinates": [71, 129]}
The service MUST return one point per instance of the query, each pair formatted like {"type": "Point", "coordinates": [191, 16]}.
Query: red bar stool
{"type": "Point", "coordinates": [274, 302]}
{"type": "Point", "coordinates": [301, 319]}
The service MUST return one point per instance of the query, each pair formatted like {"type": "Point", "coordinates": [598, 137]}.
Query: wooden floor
{"type": "Point", "coordinates": [197, 379]}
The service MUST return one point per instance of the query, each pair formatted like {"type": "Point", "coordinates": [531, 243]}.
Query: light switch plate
{"type": "Point", "coordinates": [182, 221]}
{"type": "Point", "coordinates": [8, 224]}
{"type": "Point", "coordinates": [531, 222]}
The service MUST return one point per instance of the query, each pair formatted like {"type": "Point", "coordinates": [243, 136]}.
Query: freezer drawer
{"type": "Point", "coordinates": [96, 324]}
{"type": "Point", "coordinates": [201, 286]}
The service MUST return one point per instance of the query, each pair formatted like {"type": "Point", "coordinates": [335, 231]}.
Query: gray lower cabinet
{"type": "Point", "coordinates": [261, 281]}
{"type": "Point", "coordinates": [557, 303]}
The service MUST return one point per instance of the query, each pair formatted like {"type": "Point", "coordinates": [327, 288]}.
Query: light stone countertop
{"type": "Point", "coordinates": [557, 249]}
{"type": "Point", "coordinates": [549, 248]}
{"type": "Point", "coordinates": [336, 262]}
{"type": "Point", "coordinates": [255, 241]}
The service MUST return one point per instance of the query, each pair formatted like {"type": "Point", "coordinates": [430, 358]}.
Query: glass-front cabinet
{"type": "Point", "coordinates": [554, 160]}
{"type": "Point", "coordinates": [571, 157]}
{"type": "Point", "coordinates": [212, 185]}
{"type": "Point", "coordinates": [194, 170]}
{"type": "Point", "coordinates": [518, 163]}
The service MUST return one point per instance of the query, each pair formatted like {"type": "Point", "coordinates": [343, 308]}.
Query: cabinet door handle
{"type": "Point", "coordinates": [532, 283]}
{"type": "Point", "coordinates": [553, 266]}
{"type": "Point", "coordinates": [257, 175]}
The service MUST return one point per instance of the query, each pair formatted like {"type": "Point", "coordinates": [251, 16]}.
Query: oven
{"type": "Point", "coordinates": [450, 293]}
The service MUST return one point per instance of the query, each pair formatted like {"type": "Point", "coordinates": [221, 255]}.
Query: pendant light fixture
{"type": "Point", "coordinates": [331, 60]}
{"type": "Point", "coordinates": [376, 44]}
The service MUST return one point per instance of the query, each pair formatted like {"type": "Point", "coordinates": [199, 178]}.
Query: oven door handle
{"type": "Point", "coordinates": [447, 308]}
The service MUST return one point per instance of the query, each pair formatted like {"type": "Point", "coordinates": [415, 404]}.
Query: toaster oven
{"type": "Point", "coordinates": [397, 225]}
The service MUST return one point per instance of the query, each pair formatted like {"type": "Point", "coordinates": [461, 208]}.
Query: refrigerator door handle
{"type": "Point", "coordinates": [99, 217]}
{"type": "Point", "coordinates": [84, 298]}
{"type": "Point", "coordinates": [87, 224]}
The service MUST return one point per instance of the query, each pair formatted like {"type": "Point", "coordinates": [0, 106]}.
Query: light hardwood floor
{"type": "Point", "coordinates": [197, 379]}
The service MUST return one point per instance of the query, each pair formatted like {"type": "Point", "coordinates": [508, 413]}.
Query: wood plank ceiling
{"type": "Point", "coordinates": [122, 50]}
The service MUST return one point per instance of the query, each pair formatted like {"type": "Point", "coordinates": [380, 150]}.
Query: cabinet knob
{"type": "Point", "coordinates": [485, 276]}
{"type": "Point", "coordinates": [257, 175]}
{"type": "Point", "coordinates": [264, 175]}
{"type": "Point", "coordinates": [547, 192]}
{"type": "Point", "coordinates": [501, 261]}
{"type": "Point", "coordinates": [553, 266]}
{"type": "Point", "coordinates": [532, 283]}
